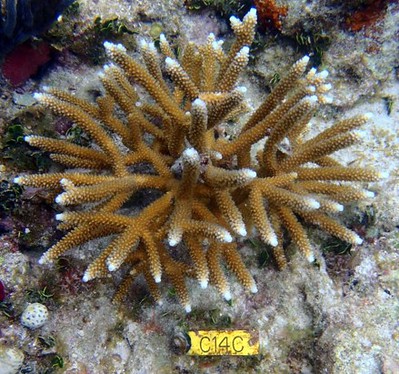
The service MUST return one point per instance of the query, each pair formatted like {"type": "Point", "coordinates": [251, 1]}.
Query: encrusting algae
{"type": "Point", "coordinates": [211, 191]}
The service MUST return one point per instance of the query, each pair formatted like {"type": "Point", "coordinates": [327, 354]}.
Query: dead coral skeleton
{"type": "Point", "coordinates": [212, 191]}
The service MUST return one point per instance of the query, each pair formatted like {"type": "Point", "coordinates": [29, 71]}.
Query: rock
{"type": "Point", "coordinates": [10, 360]}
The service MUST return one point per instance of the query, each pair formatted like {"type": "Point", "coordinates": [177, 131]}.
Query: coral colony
{"type": "Point", "coordinates": [211, 191]}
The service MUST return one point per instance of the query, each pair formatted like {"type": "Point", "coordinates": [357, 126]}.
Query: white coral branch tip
{"type": "Point", "coordinates": [191, 155]}
{"type": "Point", "coordinates": [234, 21]}
{"type": "Point", "coordinates": [112, 47]}
{"type": "Point", "coordinates": [249, 173]}
{"type": "Point", "coordinates": [151, 47]}
{"type": "Point", "coordinates": [323, 74]}
{"type": "Point", "coordinates": [143, 43]}
{"type": "Point", "coordinates": [328, 99]}
{"type": "Point", "coordinates": [162, 38]}
{"type": "Point", "coordinates": [254, 288]}
{"type": "Point", "coordinates": [66, 183]}
{"type": "Point", "coordinates": [368, 194]}
{"type": "Point", "coordinates": [338, 207]}
{"type": "Point", "coordinates": [326, 87]}
{"type": "Point", "coordinates": [86, 277]}
{"type": "Point", "coordinates": [357, 239]}
{"type": "Point", "coordinates": [44, 259]}
{"type": "Point", "coordinates": [174, 238]}
{"type": "Point", "coordinates": [199, 103]}
{"type": "Point", "coordinates": [272, 240]}
{"type": "Point", "coordinates": [112, 267]}
{"type": "Point", "coordinates": [171, 63]}
{"type": "Point", "coordinates": [312, 203]}
{"type": "Point", "coordinates": [157, 278]}
{"type": "Point", "coordinates": [217, 45]}
{"type": "Point", "coordinates": [203, 283]}
{"type": "Point", "coordinates": [60, 199]}
{"type": "Point", "coordinates": [217, 155]}
{"type": "Point", "coordinates": [226, 237]}
{"type": "Point", "coordinates": [312, 99]}
{"type": "Point", "coordinates": [244, 52]}
{"type": "Point", "coordinates": [251, 14]}
{"type": "Point", "coordinates": [211, 37]}
{"type": "Point", "coordinates": [28, 138]}
{"type": "Point", "coordinates": [241, 230]}
{"type": "Point", "coordinates": [38, 96]}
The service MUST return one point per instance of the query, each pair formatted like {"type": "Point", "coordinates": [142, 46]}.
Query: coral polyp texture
{"type": "Point", "coordinates": [166, 136]}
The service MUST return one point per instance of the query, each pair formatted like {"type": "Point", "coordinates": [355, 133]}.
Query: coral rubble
{"type": "Point", "coordinates": [211, 191]}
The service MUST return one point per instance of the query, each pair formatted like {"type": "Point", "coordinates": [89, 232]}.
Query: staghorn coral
{"type": "Point", "coordinates": [211, 191]}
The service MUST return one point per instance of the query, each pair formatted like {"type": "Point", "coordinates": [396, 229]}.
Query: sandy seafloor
{"type": "Point", "coordinates": [341, 316]}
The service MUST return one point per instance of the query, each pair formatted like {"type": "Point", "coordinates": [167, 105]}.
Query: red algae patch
{"type": "Point", "coordinates": [367, 16]}
{"type": "Point", "coordinates": [24, 62]}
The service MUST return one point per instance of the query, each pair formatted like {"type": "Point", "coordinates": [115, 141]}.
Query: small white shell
{"type": "Point", "coordinates": [34, 316]}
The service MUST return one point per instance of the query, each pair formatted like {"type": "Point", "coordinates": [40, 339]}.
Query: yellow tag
{"type": "Point", "coordinates": [218, 343]}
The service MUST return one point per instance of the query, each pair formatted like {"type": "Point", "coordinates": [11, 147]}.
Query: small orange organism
{"type": "Point", "coordinates": [270, 14]}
